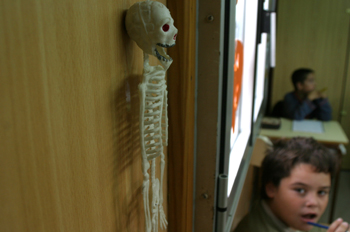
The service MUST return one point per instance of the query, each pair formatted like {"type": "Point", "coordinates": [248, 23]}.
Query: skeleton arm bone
{"type": "Point", "coordinates": [163, 221]}
{"type": "Point", "coordinates": [145, 163]}
{"type": "Point", "coordinates": [165, 119]}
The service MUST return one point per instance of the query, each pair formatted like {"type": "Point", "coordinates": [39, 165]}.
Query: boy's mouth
{"type": "Point", "coordinates": [309, 216]}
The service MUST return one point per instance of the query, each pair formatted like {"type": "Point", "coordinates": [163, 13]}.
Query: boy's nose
{"type": "Point", "coordinates": [311, 201]}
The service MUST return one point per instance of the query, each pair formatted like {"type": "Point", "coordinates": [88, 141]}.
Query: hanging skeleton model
{"type": "Point", "coordinates": [151, 26]}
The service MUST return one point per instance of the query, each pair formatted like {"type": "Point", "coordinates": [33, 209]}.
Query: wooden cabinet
{"type": "Point", "coordinates": [315, 34]}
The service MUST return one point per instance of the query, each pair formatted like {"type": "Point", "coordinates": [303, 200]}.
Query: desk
{"type": "Point", "coordinates": [332, 137]}
{"type": "Point", "coordinates": [333, 133]}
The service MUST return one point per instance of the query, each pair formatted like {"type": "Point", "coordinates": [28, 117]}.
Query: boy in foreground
{"type": "Point", "coordinates": [305, 102]}
{"type": "Point", "coordinates": [296, 181]}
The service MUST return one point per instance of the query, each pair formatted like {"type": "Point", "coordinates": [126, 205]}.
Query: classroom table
{"type": "Point", "coordinates": [333, 137]}
{"type": "Point", "coordinates": [333, 133]}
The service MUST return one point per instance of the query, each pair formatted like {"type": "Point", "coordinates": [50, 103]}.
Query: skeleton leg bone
{"type": "Point", "coordinates": [145, 192]}
{"type": "Point", "coordinates": [155, 196]}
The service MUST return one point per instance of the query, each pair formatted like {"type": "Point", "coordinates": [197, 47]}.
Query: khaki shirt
{"type": "Point", "coordinates": [261, 219]}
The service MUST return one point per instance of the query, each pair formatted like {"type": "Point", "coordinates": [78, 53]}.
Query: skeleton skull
{"type": "Point", "coordinates": [151, 26]}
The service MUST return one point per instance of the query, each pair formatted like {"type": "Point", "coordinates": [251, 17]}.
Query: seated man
{"type": "Point", "coordinates": [305, 102]}
{"type": "Point", "coordinates": [296, 181]}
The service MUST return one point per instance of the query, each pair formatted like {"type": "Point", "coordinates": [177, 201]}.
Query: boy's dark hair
{"type": "Point", "coordinates": [300, 75]}
{"type": "Point", "coordinates": [286, 154]}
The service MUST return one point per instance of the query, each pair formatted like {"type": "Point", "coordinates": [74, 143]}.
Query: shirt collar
{"type": "Point", "coordinates": [278, 222]}
{"type": "Point", "coordinates": [297, 97]}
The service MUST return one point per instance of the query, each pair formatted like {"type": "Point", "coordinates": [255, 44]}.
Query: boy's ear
{"type": "Point", "coordinates": [270, 190]}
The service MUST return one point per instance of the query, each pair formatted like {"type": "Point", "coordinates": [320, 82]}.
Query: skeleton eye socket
{"type": "Point", "coordinates": [165, 27]}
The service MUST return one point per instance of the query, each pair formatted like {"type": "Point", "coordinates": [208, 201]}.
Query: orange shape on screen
{"type": "Point", "coordinates": [237, 79]}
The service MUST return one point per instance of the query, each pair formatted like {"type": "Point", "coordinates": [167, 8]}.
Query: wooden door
{"type": "Point", "coordinates": [69, 138]}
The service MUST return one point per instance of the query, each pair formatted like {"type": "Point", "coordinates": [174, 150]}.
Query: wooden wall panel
{"type": "Point", "coordinates": [207, 105]}
{"type": "Point", "coordinates": [312, 34]}
{"type": "Point", "coordinates": [181, 87]}
{"type": "Point", "coordinates": [69, 138]}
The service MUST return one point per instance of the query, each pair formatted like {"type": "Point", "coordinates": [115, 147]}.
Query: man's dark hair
{"type": "Point", "coordinates": [299, 76]}
{"type": "Point", "coordinates": [286, 154]}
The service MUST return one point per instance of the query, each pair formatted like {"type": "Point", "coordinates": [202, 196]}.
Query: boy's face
{"type": "Point", "coordinates": [300, 197]}
{"type": "Point", "coordinates": [309, 84]}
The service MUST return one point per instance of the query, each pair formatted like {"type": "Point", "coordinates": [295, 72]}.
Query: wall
{"type": "Point", "coordinates": [69, 138]}
{"type": "Point", "coordinates": [315, 34]}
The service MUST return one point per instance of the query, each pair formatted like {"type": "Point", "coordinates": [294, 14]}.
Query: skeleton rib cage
{"type": "Point", "coordinates": [155, 118]}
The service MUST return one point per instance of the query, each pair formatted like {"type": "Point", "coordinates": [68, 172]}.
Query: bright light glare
{"type": "Point", "coordinates": [260, 75]}
{"type": "Point", "coordinates": [236, 158]}
{"type": "Point", "coordinates": [243, 123]}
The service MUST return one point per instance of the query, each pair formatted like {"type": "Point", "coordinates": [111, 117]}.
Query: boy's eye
{"type": "Point", "coordinates": [300, 190]}
{"type": "Point", "coordinates": [323, 193]}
